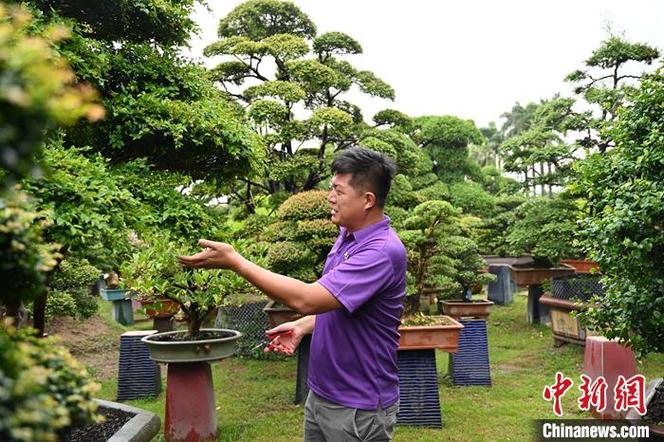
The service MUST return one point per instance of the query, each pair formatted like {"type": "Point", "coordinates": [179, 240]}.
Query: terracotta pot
{"type": "Point", "coordinates": [534, 275]}
{"type": "Point", "coordinates": [160, 308]}
{"type": "Point", "coordinates": [467, 309]}
{"type": "Point", "coordinates": [425, 337]}
{"type": "Point", "coordinates": [634, 417]}
{"type": "Point", "coordinates": [278, 314]}
{"type": "Point", "coordinates": [564, 326]}
{"type": "Point", "coordinates": [582, 265]}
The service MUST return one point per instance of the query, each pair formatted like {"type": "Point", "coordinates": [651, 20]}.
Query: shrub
{"type": "Point", "coordinates": [60, 303]}
{"type": "Point", "coordinates": [623, 227]}
{"type": "Point", "coordinates": [43, 389]}
{"type": "Point", "coordinates": [472, 198]}
{"type": "Point", "coordinates": [302, 236]}
{"type": "Point", "coordinates": [546, 227]}
{"type": "Point", "coordinates": [74, 277]}
{"type": "Point", "coordinates": [25, 258]}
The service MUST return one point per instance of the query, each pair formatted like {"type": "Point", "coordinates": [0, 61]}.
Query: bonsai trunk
{"type": "Point", "coordinates": [412, 305]}
{"type": "Point", "coordinates": [194, 325]}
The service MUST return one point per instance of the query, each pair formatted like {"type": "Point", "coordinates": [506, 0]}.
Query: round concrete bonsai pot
{"type": "Point", "coordinates": [205, 350]}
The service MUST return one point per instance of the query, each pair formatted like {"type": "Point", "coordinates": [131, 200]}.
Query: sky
{"type": "Point", "coordinates": [472, 59]}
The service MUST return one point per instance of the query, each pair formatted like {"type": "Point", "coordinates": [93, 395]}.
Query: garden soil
{"type": "Point", "coordinates": [91, 341]}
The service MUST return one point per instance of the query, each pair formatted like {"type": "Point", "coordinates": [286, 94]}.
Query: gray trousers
{"type": "Point", "coordinates": [325, 421]}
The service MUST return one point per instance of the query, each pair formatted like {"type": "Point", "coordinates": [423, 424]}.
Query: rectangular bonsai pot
{"type": "Point", "coordinates": [278, 314]}
{"type": "Point", "coordinates": [537, 275]}
{"type": "Point", "coordinates": [424, 337]}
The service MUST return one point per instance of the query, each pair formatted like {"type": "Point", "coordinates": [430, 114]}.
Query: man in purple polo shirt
{"type": "Point", "coordinates": [353, 310]}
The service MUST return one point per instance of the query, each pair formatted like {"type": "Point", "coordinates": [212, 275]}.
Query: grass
{"type": "Point", "coordinates": [254, 397]}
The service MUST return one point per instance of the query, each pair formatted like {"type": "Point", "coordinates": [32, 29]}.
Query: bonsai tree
{"type": "Point", "coordinates": [442, 261]}
{"type": "Point", "coordinates": [155, 273]}
{"type": "Point", "coordinates": [546, 228]}
{"type": "Point", "coordinates": [493, 230]}
{"type": "Point", "coordinates": [301, 238]}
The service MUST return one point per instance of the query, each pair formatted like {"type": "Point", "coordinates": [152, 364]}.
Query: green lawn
{"type": "Point", "coordinates": [254, 398]}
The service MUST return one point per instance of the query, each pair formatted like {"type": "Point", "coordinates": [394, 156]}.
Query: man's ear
{"type": "Point", "coordinates": [370, 200]}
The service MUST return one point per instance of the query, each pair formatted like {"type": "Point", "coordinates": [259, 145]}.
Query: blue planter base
{"type": "Point", "coordinates": [470, 365]}
{"type": "Point", "coordinates": [123, 312]}
{"type": "Point", "coordinates": [537, 313]}
{"type": "Point", "coordinates": [501, 290]}
{"type": "Point", "coordinates": [138, 375]}
{"type": "Point", "coordinates": [418, 389]}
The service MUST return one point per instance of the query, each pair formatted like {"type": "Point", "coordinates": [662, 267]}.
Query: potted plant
{"type": "Point", "coordinates": [444, 264]}
{"type": "Point", "coordinates": [432, 269]}
{"type": "Point", "coordinates": [467, 272]}
{"type": "Point", "coordinates": [546, 230]}
{"type": "Point", "coordinates": [155, 273]}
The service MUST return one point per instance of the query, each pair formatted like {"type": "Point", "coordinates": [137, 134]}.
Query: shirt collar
{"type": "Point", "coordinates": [368, 231]}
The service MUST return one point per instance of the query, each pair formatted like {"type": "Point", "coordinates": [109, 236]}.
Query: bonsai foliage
{"type": "Point", "coordinates": [302, 237]}
{"type": "Point", "coordinates": [492, 232]}
{"type": "Point", "coordinates": [442, 261]}
{"type": "Point", "coordinates": [70, 284]}
{"type": "Point", "coordinates": [25, 258]}
{"type": "Point", "coordinates": [92, 210]}
{"type": "Point", "coordinates": [36, 91]}
{"type": "Point", "coordinates": [546, 228]}
{"type": "Point", "coordinates": [43, 389]}
{"type": "Point", "coordinates": [623, 227]}
{"type": "Point", "coordinates": [154, 273]}
{"type": "Point", "coordinates": [446, 139]}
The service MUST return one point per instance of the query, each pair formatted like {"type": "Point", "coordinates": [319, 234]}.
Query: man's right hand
{"type": "Point", "coordinates": [216, 255]}
{"type": "Point", "coordinates": [285, 338]}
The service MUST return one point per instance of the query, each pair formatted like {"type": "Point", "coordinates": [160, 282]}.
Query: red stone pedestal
{"type": "Point", "coordinates": [190, 407]}
{"type": "Point", "coordinates": [609, 359]}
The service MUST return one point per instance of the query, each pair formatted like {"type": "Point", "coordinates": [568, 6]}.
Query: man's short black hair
{"type": "Point", "coordinates": [370, 170]}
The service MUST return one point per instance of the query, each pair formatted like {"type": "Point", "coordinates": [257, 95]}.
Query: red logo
{"type": "Point", "coordinates": [592, 393]}
{"type": "Point", "coordinates": [631, 393]}
{"type": "Point", "coordinates": [557, 391]}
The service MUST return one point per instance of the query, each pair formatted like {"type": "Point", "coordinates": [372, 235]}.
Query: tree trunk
{"type": "Point", "coordinates": [39, 313]}
{"type": "Point", "coordinates": [411, 305]}
{"type": "Point", "coordinates": [194, 326]}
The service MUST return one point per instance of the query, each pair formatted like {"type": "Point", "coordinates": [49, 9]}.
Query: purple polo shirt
{"type": "Point", "coordinates": [353, 358]}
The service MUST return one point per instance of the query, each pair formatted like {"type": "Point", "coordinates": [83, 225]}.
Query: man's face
{"type": "Point", "coordinates": [348, 205]}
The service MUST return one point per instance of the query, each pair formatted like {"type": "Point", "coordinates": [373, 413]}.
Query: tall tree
{"type": "Point", "coordinates": [607, 76]}
{"type": "Point", "coordinates": [292, 83]}
{"type": "Point", "coordinates": [446, 139]}
{"type": "Point", "coordinates": [539, 146]}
